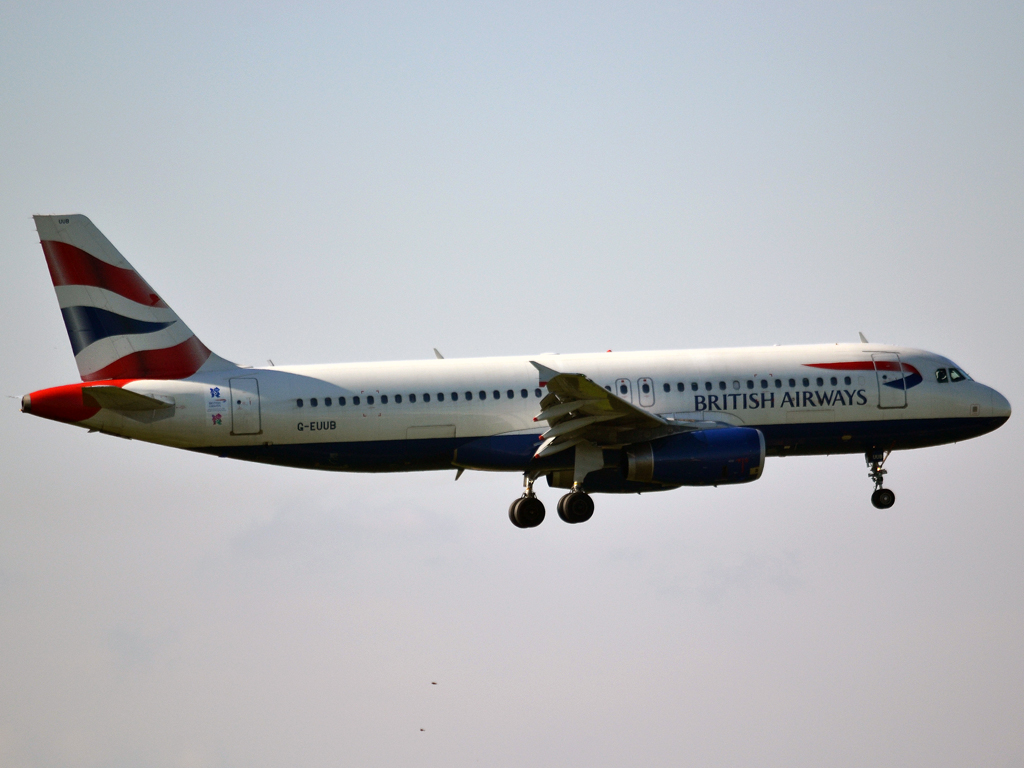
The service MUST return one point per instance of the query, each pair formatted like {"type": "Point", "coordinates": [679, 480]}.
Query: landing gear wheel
{"type": "Point", "coordinates": [561, 505]}
{"type": "Point", "coordinates": [883, 498]}
{"type": "Point", "coordinates": [576, 507]}
{"type": "Point", "coordinates": [526, 512]}
{"type": "Point", "coordinates": [512, 512]}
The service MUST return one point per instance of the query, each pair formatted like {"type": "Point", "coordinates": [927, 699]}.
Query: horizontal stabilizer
{"type": "Point", "coordinates": [118, 399]}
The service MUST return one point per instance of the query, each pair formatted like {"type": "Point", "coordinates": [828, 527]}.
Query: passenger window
{"type": "Point", "coordinates": [735, 385]}
{"type": "Point", "coordinates": [312, 402]}
{"type": "Point", "coordinates": [848, 381]}
{"type": "Point", "coordinates": [440, 397]}
{"type": "Point", "coordinates": [537, 392]}
{"type": "Point", "coordinates": [510, 394]}
{"type": "Point", "coordinates": [707, 385]}
{"type": "Point", "coordinates": [750, 384]}
{"type": "Point", "coordinates": [412, 398]}
{"type": "Point", "coordinates": [384, 399]}
{"type": "Point", "coordinates": [426, 397]}
{"type": "Point", "coordinates": [455, 396]}
{"type": "Point", "coordinates": [341, 401]}
{"type": "Point", "coordinates": [955, 375]}
{"type": "Point", "coordinates": [792, 382]}
{"type": "Point", "coordinates": [497, 395]}
{"type": "Point", "coordinates": [622, 389]}
{"type": "Point", "coordinates": [483, 395]}
{"type": "Point", "coordinates": [298, 403]}
{"type": "Point", "coordinates": [667, 387]}
{"type": "Point", "coordinates": [607, 387]}
{"type": "Point", "coordinates": [764, 383]}
{"type": "Point", "coordinates": [369, 399]}
{"type": "Point", "coordinates": [941, 377]}
{"type": "Point", "coordinates": [721, 385]}
{"type": "Point", "coordinates": [355, 400]}
{"type": "Point", "coordinates": [693, 386]}
{"type": "Point", "coordinates": [778, 384]}
{"type": "Point", "coordinates": [469, 395]}
{"type": "Point", "coordinates": [821, 381]}
{"type": "Point", "coordinates": [807, 382]}
{"type": "Point", "coordinates": [398, 398]}
{"type": "Point", "coordinates": [327, 401]}
{"type": "Point", "coordinates": [523, 393]}
{"type": "Point", "coordinates": [646, 388]}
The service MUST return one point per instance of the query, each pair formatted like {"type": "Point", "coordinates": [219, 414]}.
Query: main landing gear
{"type": "Point", "coordinates": [882, 498]}
{"type": "Point", "coordinates": [528, 511]}
{"type": "Point", "coordinates": [576, 506]}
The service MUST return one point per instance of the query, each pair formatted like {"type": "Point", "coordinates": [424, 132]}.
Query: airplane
{"type": "Point", "coordinates": [608, 422]}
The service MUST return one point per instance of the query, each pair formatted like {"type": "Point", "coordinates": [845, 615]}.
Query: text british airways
{"type": "Point", "coordinates": [749, 401]}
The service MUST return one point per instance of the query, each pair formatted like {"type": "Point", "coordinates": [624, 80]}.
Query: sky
{"type": "Point", "coordinates": [359, 182]}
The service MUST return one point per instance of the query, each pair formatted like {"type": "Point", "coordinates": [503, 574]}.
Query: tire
{"type": "Point", "coordinates": [561, 506]}
{"type": "Point", "coordinates": [886, 498]}
{"type": "Point", "coordinates": [577, 507]}
{"type": "Point", "coordinates": [529, 512]}
{"type": "Point", "coordinates": [512, 512]}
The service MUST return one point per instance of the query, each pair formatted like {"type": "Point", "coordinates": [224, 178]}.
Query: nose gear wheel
{"type": "Point", "coordinates": [882, 498]}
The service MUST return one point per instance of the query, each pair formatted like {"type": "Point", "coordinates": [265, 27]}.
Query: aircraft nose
{"type": "Point", "coordinates": [1000, 405]}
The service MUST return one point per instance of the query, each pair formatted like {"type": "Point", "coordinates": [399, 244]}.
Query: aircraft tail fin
{"type": "Point", "coordinates": [119, 327]}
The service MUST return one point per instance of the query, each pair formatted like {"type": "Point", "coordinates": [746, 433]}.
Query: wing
{"type": "Point", "coordinates": [578, 409]}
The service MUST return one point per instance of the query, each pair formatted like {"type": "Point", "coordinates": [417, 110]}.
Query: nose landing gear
{"type": "Point", "coordinates": [882, 498]}
{"type": "Point", "coordinates": [527, 511]}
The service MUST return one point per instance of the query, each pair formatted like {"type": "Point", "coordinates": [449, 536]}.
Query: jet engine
{"type": "Point", "coordinates": [724, 456]}
{"type": "Point", "coordinates": [704, 457]}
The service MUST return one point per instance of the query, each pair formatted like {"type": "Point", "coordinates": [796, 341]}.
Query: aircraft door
{"type": "Point", "coordinates": [892, 386]}
{"type": "Point", "coordinates": [624, 389]}
{"type": "Point", "coordinates": [646, 387]}
{"type": "Point", "coordinates": [245, 406]}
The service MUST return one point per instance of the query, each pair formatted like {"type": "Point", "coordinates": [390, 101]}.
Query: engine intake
{"type": "Point", "coordinates": [704, 457]}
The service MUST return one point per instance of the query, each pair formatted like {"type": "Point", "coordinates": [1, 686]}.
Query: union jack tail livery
{"type": "Point", "coordinates": [118, 325]}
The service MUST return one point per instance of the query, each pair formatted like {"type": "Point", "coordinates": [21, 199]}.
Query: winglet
{"type": "Point", "coordinates": [546, 374]}
{"type": "Point", "coordinates": [437, 354]}
{"type": "Point", "coordinates": [862, 339]}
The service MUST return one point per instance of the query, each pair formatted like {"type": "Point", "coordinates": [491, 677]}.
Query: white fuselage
{"type": "Point", "coordinates": [290, 413]}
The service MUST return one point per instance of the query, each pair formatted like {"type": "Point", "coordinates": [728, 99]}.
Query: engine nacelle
{"type": "Point", "coordinates": [704, 457]}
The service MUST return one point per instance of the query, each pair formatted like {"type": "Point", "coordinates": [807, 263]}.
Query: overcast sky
{"type": "Point", "coordinates": [318, 184]}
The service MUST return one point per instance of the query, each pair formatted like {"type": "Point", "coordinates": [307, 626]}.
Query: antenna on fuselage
{"type": "Point", "coordinates": [437, 354]}
{"type": "Point", "coordinates": [862, 339]}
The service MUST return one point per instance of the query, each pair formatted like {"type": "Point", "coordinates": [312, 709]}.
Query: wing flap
{"type": "Point", "coordinates": [578, 409]}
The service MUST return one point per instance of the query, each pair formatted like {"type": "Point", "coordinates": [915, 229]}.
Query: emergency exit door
{"type": "Point", "coordinates": [624, 389]}
{"type": "Point", "coordinates": [245, 406]}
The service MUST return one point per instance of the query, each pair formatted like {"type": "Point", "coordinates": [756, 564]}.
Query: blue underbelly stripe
{"type": "Point", "coordinates": [515, 452]}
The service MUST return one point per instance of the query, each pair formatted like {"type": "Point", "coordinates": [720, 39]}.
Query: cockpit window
{"type": "Point", "coordinates": [955, 375]}
{"type": "Point", "coordinates": [941, 377]}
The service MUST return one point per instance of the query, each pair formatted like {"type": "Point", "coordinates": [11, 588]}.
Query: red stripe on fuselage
{"type": "Point", "coordinates": [865, 365]}
{"type": "Point", "coordinates": [73, 266]}
{"type": "Point", "coordinates": [177, 362]}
